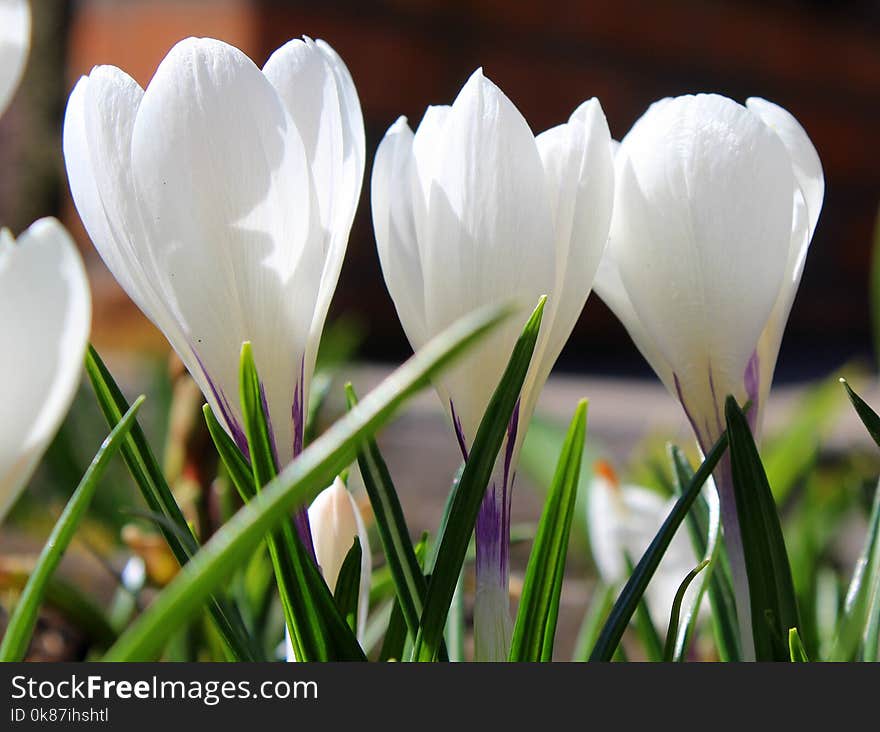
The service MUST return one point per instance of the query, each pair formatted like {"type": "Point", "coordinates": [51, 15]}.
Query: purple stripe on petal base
{"type": "Point", "coordinates": [492, 531]}
{"type": "Point", "coordinates": [297, 414]}
{"type": "Point", "coordinates": [226, 415]}
{"type": "Point", "coordinates": [459, 432]}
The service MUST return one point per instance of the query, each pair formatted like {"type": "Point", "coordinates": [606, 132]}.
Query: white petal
{"type": "Point", "coordinates": [623, 521]}
{"type": "Point", "coordinates": [771, 339]}
{"type": "Point", "coordinates": [701, 232]}
{"type": "Point", "coordinates": [488, 233]}
{"type": "Point", "coordinates": [579, 172]}
{"type": "Point", "coordinates": [609, 287]}
{"type": "Point", "coordinates": [15, 40]}
{"type": "Point", "coordinates": [392, 194]}
{"type": "Point", "coordinates": [318, 92]}
{"type": "Point", "coordinates": [232, 219]}
{"type": "Point", "coordinates": [336, 521]}
{"type": "Point", "coordinates": [804, 158]}
{"type": "Point", "coordinates": [45, 315]}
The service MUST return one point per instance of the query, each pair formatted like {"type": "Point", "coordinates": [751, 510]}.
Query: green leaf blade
{"type": "Point", "coordinates": [536, 618]}
{"type": "Point", "coordinates": [24, 618]}
{"type": "Point", "coordinates": [771, 587]}
{"type": "Point", "coordinates": [296, 485]}
{"type": "Point", "coordinates": [148, 476]}
{"type": "Point", "coordinates": [631, 595]}
{"type": "Point", "coordinates": [470, 491]}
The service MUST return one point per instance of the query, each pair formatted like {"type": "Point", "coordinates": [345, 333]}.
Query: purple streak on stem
{"type": "Point", "coordinates": [492, 534]}
{"type": "Point", "coordinates": [297, 413]}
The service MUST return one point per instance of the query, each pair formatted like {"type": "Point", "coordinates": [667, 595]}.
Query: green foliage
{"type": "Point", "coordinates": [771, 588]}
{"type": "Point", "coordinates": [535, 627]}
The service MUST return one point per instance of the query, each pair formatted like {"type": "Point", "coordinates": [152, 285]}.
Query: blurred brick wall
{"type": "Point", "coordinates": [820, 60]}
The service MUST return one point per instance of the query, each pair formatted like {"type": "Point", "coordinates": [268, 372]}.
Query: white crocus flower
{"type": "Point", "coordinates": [472, 210]}
{"type": "Point", "coordinates": [221, 198]}
{"type": "Point", "coordinates": [715, 206]}
{"type": "Point", "coordinates": [15, 40]}
{"type": "Point", "coordinates": [623, 520]}
{"type": "Point", "coordinates": [45, 315]}
{"type": "Point", "coordinates": [336, 521]}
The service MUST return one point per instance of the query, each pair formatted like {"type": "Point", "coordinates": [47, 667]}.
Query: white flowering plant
{"type": "Point", "coordinates": [221, 198]}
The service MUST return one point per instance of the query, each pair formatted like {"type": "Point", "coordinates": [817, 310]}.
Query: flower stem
{"type": "Point", "coordinates": [493, 627]}
{"type": "Point", "coordinates": [736, 556]}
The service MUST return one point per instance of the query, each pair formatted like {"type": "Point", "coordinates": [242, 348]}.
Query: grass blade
{"type": "Point", "coordinates": [150, 480]}
{"type": "Point", "coordinates": [396, 635]}
{"type": "Point", "coordinates": [536, 618]}
{"type": "Point", "coordinates": [771, 588]}
{"type": "Point", "coordinates": [704, 524]}
{"type": "Point", "coordinates": [866, 414]}
{"type": "Point", "coordinates": [635, 587]}
{"type": "Point", "coordinates": [669, 651]}
{"type": "Point", "coordinates": [597, 612]}
{"type": "Point", "coordinates": [348, 585]}
{"type": "Point", "coordinates": [796, 651]}
{"type": "Point", "coordinates": [855, 620]}
{"type": "Point", "coordinates": [409, 582]}
{"type": "Point", "coordinates": [296, 485]}
{"type": "Point", "coordinates": [471, 489]}
{"type": "Point", "coordinates": [318, 630]}
{"type": "Point", "coordinates": [644, 625]}
{"type": "Point", "coordinates": [24, 618]}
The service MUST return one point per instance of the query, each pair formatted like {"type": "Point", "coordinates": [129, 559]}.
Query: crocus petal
{"type": "Point", "coordinates": [701, 232]}
{"type": "Point", "coordinates": [221, 176]}
{"type": "Point", "coordinates": [623, 520]}
{"type": "Point", "coordinates": [488, 234]}
{"type": "Point", "coordinates": [579, 174]}
{"type": "Point", "coordinates": [804, 158]}
{"type": "Point", "coordinates": [392, 202]}
{"type": "Point", "coordinates": [45, 314]}
{"type": "Point", "coordinates": [332, 130]}
{"type": "Point", "coordinates": [15, 40]}
{"type": "Point", "coordinates": [336, 521]}
{"type": "Point", "coordinates": [609, 286]}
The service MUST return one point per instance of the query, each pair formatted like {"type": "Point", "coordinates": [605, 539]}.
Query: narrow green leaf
{"type": "Point", "coordinates": [235, 463]}
{"type": "Point", "coordinates": [594, 619]}
{"type": "Point", "coordinates": [771, 589]}
{"type": "Point", "coordinates": [796, 651]}
{"type": "Point", "coordinates": [295, 486]}
{"type": "Point", "coordinates": [395, 636]}
{"type": "Point", "coordinates": [632, 593]}
{"type": "Point", "coordinates": [454, 632]}
{"type": "Point", "coordinates": [470, 492]}
{"type": "Point", "coordinates": [854, 623]}
{"type": "Point", "coordinates": [644, 625]}
{"type": "Point", "coordinates": [148, 477]}
{"type": "Point", "coordinates": [704, 525]}
{"type": "Point", "coordinates": [672, 630]}
{"type": "Point", "coordinates": [24, 618]}
{"type": "Point", "coordinates": [348, 585]}
{"type": "Point", "coordinates": [409, 582]}
{"type": "Point", "coordinates": [866, 414]}
{"type": "Point", "coordinates": [318, 630]}
{"type": "Point", "coordinates": [536, 618]}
